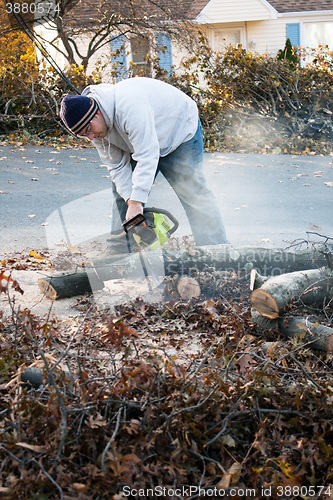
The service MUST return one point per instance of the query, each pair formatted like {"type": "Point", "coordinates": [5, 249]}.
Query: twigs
{"type": "Point", "coordinates": [111, 440]}
{"type": "Point", "coordinates": [224, 424]}
{"type": "Point", "coordinates": [61, 493]}
{"type": "Point", "coordinates": [306, 373]}
{"type": "Point", "coordinates": [62, 405]}
{"type": "Point", "coordinates": [69, 345]}
{"type": "Point", "coordinates": [10, 454]}
{"type": "Point", "coordinates": [186, 395]}
{"type": "Point", "coordinates": [208, 459]}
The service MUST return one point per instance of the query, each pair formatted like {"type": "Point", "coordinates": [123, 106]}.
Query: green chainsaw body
{"type": "Point", "coordinates": [152, 229]}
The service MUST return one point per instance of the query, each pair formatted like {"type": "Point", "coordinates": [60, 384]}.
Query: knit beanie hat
{"type": "Point", "coordinates": [77, 111]}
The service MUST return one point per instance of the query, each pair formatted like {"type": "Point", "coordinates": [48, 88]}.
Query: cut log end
{"type": "Point", "coordinates": [69, 285]}
{"type": "Point", "coordinates": [188, 288]}
{"type": "Point", "coordinates": [264, 303]}
{"type": "Point", "coordinates": [47, 289]}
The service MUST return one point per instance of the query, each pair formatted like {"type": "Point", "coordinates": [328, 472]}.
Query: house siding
{"type": "Point", "coordinates": [221, 11]}
{"type": "Point", "coordinates": [270, 36]}
{"type": "Point", "coordinates": [266, 37]}
{"type": "Point", "coordinates": [48, 35]}
{"type": "Point", "coordinates": [263, 29]}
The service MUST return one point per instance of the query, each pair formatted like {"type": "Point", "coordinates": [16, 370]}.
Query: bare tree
{"type": "Point", "coordinates": [99, 21]}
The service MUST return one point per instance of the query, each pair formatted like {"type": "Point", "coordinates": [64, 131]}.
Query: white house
{"type": "Point", "coordinates": [261, 26]}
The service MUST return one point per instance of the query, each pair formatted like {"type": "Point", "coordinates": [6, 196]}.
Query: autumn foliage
{"type": "Point", "coordinates": [166, 395]}
{"type": "Point", "coordinates": [258, 102]}
{"type": "Point", "coordinates": [247, 101]}
{"type": "Point", "coordinates": [30, 92]}
{"type": "Point", "coordinates": [18, 68]}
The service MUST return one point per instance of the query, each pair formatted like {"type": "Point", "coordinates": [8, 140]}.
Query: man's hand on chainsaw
{"type": "Point", "coordinates": [134, 208]}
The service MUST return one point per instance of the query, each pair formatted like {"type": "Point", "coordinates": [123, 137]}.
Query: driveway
{"type": "Point", "coordinates": [49, 196]}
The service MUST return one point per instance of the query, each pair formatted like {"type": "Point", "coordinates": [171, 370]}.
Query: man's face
{"type": "Point", "coordinates": [96, 129]}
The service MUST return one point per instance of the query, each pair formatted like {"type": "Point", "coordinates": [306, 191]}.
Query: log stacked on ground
{"type": "Point", "coordinates": [237, 260]}
{"type": "Point", "coordinates": [270, 296]}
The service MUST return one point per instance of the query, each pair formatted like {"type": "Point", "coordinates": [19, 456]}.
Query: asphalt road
{"type": "Point", "coordinates": [49, 196]}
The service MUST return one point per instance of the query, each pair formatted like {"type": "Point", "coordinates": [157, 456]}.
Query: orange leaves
{"type": "Point", "coordinates": [36, 255]}
{"type": "Point", "coordinates": [246, 364]}
{"type": "Point", "coordinates": [231, 477]}
{"type": "Point", "coordinates": [5, 281]}
{"type": "Point", "coordinates": [138, 375]}
{"type": "Point", "coordinates": [96, 422]}
{"type": "Point", "coordinates": [196, 399]}
{"type": "Point", "coordinates": [133, 426]}
{"type": "Point", "coordinates": [116, 331]}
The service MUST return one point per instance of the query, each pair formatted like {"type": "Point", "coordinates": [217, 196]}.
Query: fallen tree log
{"type": "Point", "coordinates": [239, 261]}
{"type": "Point", "coordinates": [267, 261]}
{"type": "Point", "coordinates": [69, 285]}
{"type": "Point", "coordinates": [276, 292]}
{"type": "Point", "coordinates": [91, 279]}
{"type": "Point", "coordinates": [271, 295]}
{"type": "Point", "coordinates": [188, 288]}
{"type": "Point", "coordinates": [318, 337]}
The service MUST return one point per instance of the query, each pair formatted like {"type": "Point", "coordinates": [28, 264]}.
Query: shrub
{"type": "Point", "coordinates": [289, 54]}
{"type": "Point", "coordinates": [249, 95]}
{"type": "Point", "coordinates": [246, 101]}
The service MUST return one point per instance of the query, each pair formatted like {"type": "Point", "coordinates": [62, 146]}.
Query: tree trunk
{"type": "Point", "coordinates": [235, 261]}
{"type": "Point", "coordinates": [70, 285]}
{"type": "Point", "coordinates": [318, 337]}
{"type": "Point", "coordinates": [267, 261]}
{"type": "Point", "coordinates": [271, 295]}
{"type": "Point", "coordinates": [304, 287]}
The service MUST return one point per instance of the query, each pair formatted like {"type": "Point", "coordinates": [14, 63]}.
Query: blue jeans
{"type": "Point", "coordinates": [183, 169]}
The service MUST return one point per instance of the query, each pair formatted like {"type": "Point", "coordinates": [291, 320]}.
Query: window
{"type": "Point", "coordinates": [316, 34]}
{"type": "Point", "coordinates": [133, 55]}
{"type": "Point", "coordinates": [140, 56]}
{"type": "Point", "coordinates": [310, 35]}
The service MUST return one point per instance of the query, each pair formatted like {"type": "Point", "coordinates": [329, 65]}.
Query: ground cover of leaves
{"type": "Point", "coordinates": [176, 399]}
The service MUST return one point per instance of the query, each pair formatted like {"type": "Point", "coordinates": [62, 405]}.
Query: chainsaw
{"type": "Point", "coordinates": [151, 229]}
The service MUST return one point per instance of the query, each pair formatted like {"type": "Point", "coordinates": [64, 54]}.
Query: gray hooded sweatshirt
{"type": "Point", "coordinates": [146, 119]}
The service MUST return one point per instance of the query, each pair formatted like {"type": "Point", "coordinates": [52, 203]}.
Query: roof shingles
{"type": "Point", "coordinates": [280, 5]}
{"type": "Point", "coordinates": [86, 10]}
{"type": "Point", "coordinates": [301, 5]}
